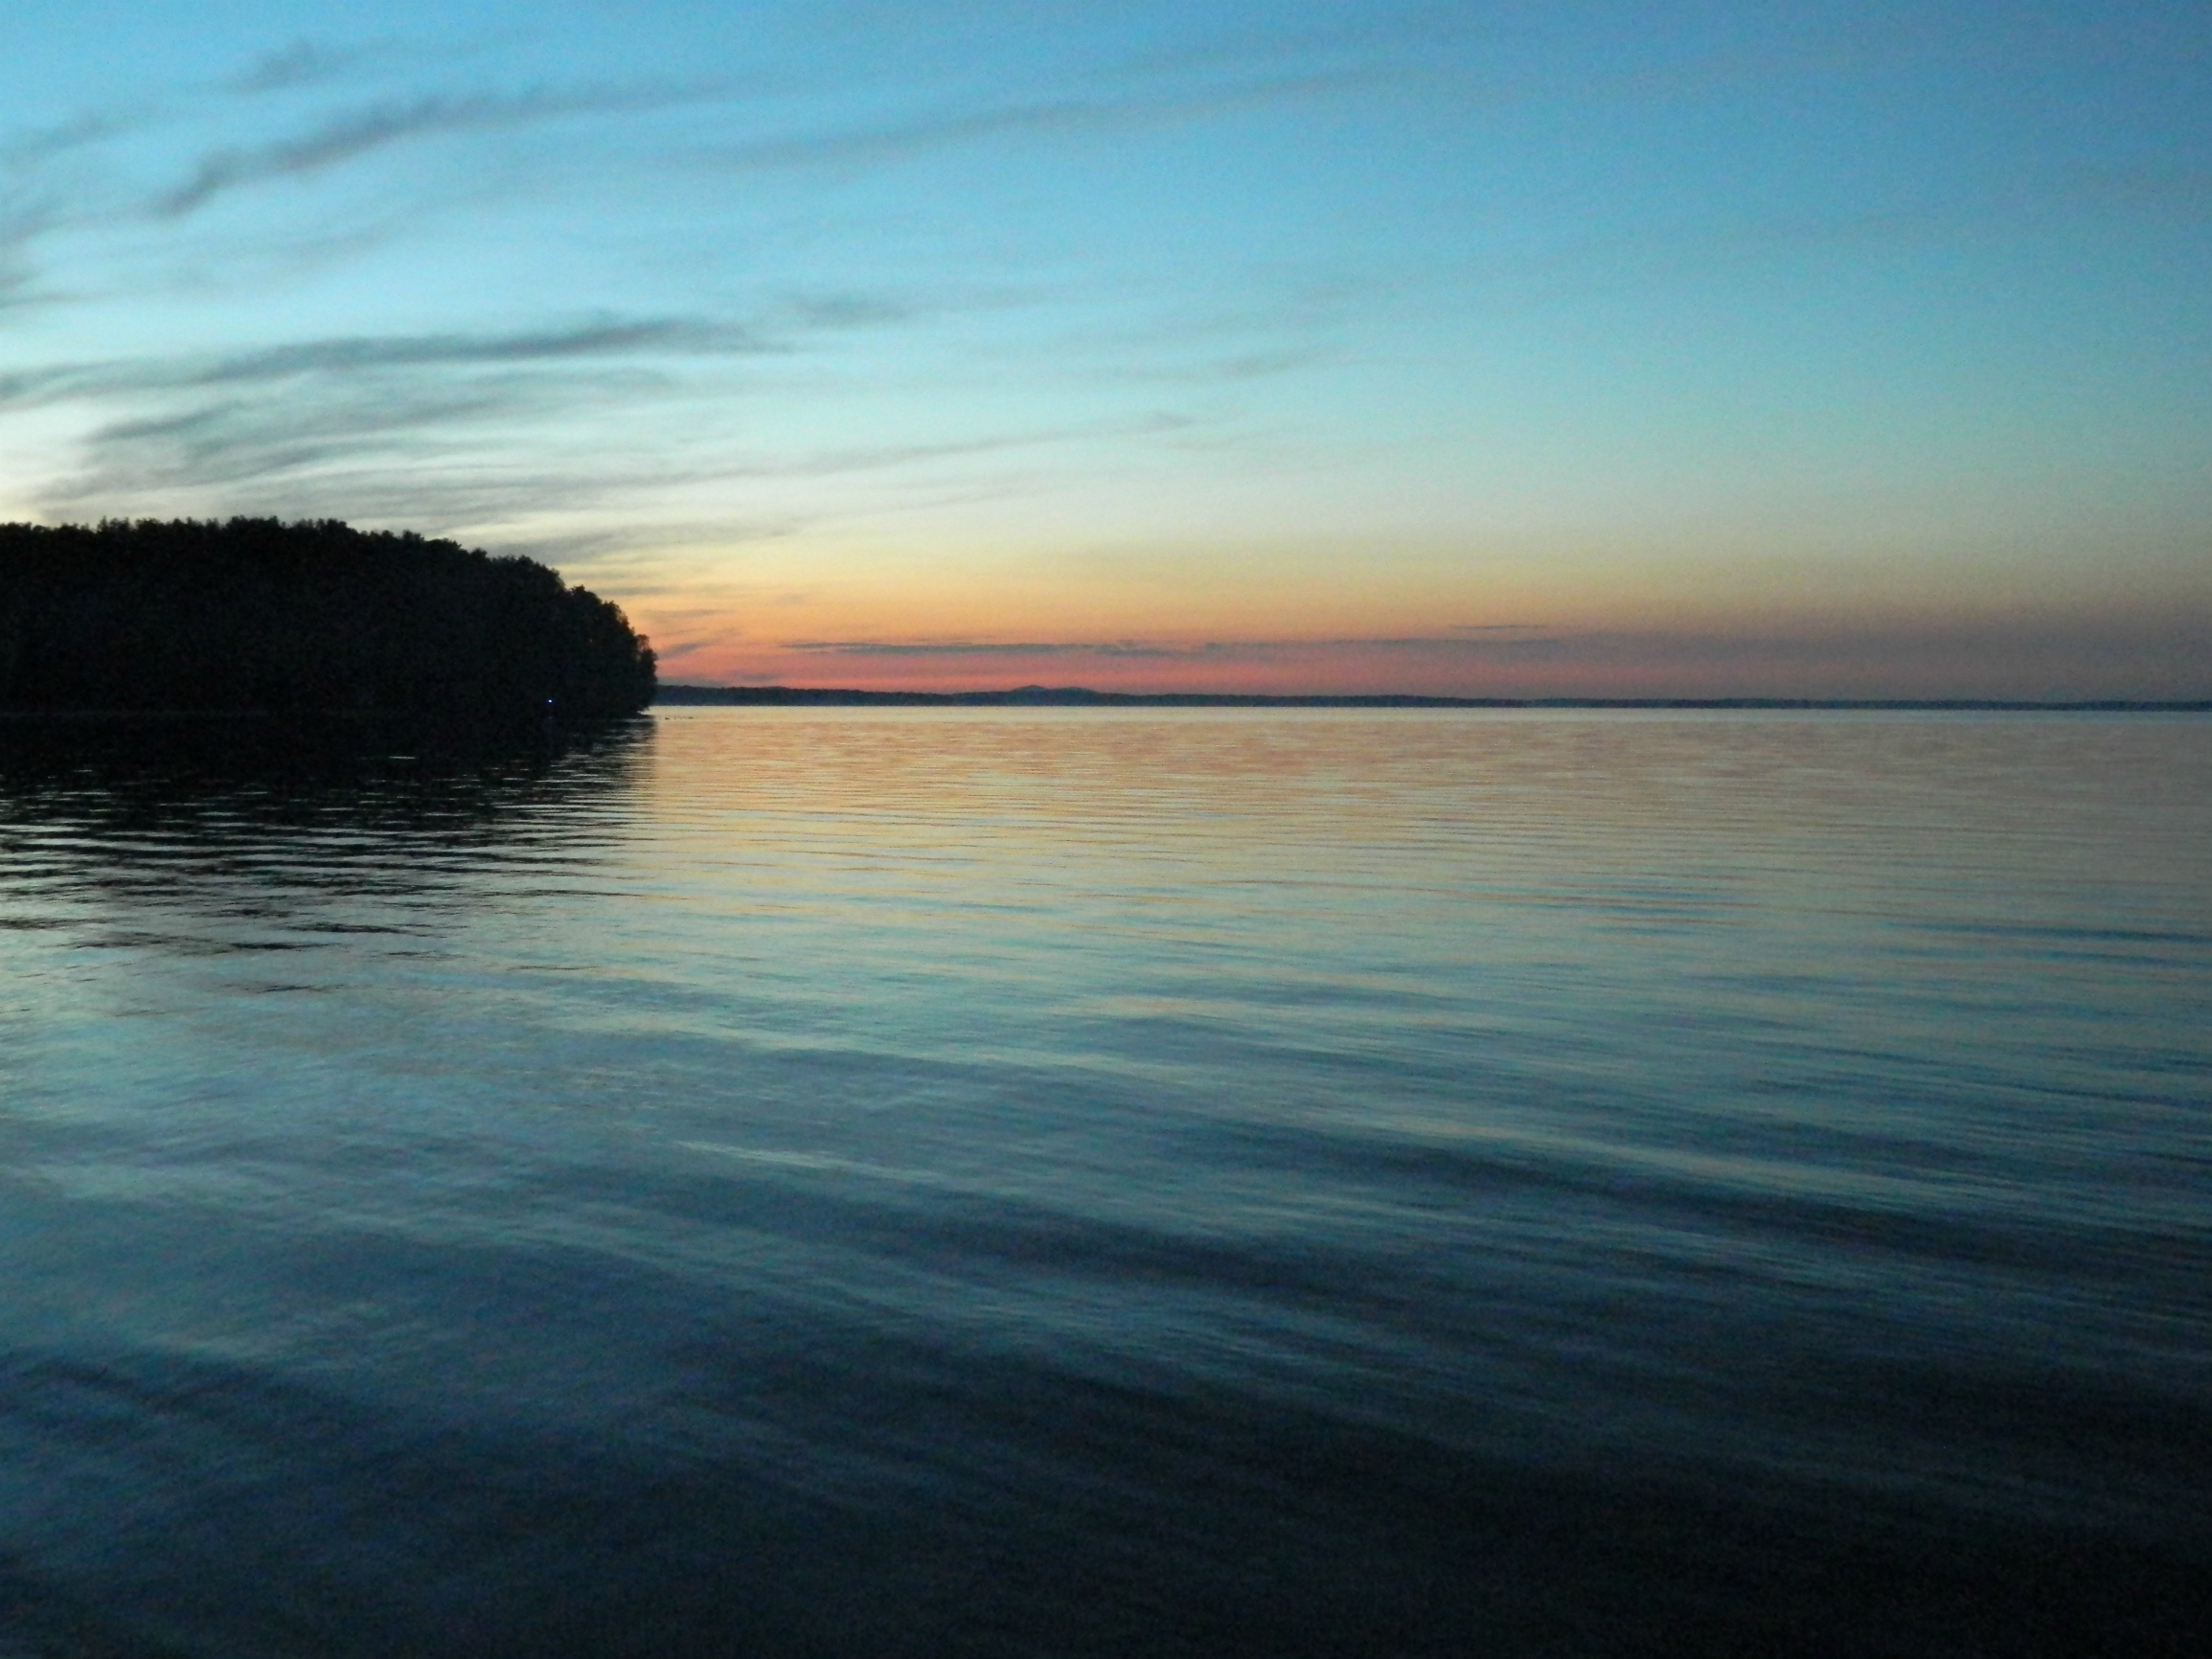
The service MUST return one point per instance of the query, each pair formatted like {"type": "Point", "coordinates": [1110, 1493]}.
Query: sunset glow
{"type": "Point", "coordinates": [1608, 349]}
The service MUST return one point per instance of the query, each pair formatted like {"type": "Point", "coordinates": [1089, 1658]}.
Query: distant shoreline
{"type": "Point", "coordinates": [1081, 696]}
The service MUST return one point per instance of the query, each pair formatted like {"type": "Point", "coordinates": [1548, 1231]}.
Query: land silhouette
{"type": "Point", "coordinates": [1082, 696]}
{"type": "Point", "coordinates": [257, 615]}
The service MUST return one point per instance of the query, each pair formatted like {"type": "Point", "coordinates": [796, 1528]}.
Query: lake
{"type": "Point", "coordinates": [879, 1182]}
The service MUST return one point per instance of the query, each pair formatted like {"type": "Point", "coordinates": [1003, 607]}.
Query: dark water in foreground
{"type": "Point", "coordinates": [850, 1182]}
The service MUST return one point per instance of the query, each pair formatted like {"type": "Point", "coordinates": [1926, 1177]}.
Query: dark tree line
{"type": "Point", "coordinates": [309, 618]}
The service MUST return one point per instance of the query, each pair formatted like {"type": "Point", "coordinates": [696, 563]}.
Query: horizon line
{"type": "Point", "coordinates": [680, 693]}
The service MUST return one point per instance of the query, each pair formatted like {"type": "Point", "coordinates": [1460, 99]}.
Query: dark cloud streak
{"type": "Point", "coordinates": [302, 63]}
{"type": "Point", "coordinates": [896, 140]}
{"type": "Point", "coordinates": [353, 416]}
{"type": "Point", "coordinates": [612, 337]}
{"type": "Point", "coordinates": [1217, 651]}
{"type": "Point", "coordinates": [358, 132]}
{"type": "Point", "coordinates": [42, 143]}
{"type": "Point", "coordinates": [336, 428]}
{"type": "Point", "coordinates": [1041, 648]}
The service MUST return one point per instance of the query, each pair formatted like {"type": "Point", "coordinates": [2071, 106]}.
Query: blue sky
{"type": "Point", "coordinates": [1848, 349]}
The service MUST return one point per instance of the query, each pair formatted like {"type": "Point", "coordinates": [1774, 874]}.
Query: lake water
{"type": "Point", "coordinates": [1083, 1182]}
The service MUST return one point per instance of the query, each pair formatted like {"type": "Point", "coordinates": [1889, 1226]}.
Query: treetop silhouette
{"type": "Point", "coordinates": [256, 614]}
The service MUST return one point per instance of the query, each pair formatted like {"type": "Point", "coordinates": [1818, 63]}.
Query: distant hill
{"type": "Point", "coordinates": [1081, 696]}
{"type": "Point", "coordinates": [254, 614]}
{"type": "Point", "coordinates": [1053, 696]}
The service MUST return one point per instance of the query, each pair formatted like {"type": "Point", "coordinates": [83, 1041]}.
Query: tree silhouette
{"type": "Point", "coordinates": [319, 617]}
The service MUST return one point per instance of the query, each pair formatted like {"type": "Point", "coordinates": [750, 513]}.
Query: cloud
{"type": "Point", "coordinates": [430, 426]}
{"type": "Point", "coordinates": [206, 466]}
{"type": "Point", "coordinates": [969, 648]}
{"type": "Point", "coordinates": [898, 140]}
{"type": "Point", "coordinates": [424, 425]}
{"type": "Point", "coordinates": [1470, 640]}
{"type": "Point", "coordinates": [2128, 651]}
{"type": "Point", "coordinates": [358, 132]}
{"type": "Point", "coordinates": [248, 438]}
{"type": "Point", "coordinates": [849, 311]}
{"type": "Point", "coordinates": [302, 63]}
{"type": "Point", "coordinates": [1234, 370]}
{"type": "Point", "coordinates": [335, 424]}
{"type": "Point", "coordinates": [20, 226]}
{"type": "Point", "coordinates": [1211, 651]}
{"type": "Point", "coordinates": [43, 143]}
{"type": "Point", "coordinates": [601, 337]}
{"type": "Point", "coordinates": [831, 462]}
{"type": "Point", "coordinates": [473, 420]}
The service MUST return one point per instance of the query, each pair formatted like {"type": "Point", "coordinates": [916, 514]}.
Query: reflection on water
{"type": "Point", "coordinates": [213, 822]}
{"type": "Point", "coordinates": [785, 1181]}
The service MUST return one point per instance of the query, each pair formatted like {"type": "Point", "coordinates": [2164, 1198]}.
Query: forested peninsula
{"type": "Point", "coordinates": [256, 615]}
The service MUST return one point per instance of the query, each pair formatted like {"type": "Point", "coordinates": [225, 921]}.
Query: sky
{"type": "Point", "coordinates": [1674, 349]}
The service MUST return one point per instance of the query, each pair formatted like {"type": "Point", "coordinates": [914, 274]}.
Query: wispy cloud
{"type": "Point", "coordinates": [42, 143]}
{"type": "Point", "coordinates": [872, 458]}
{"type": "Point", "coordinates": [344, 420]}
{"type": "Point", "coordinates": [355, 133]}
{"type": "Point", "coordinates": [602, 338]}
{"type": "Point", "coordinates": [20, 225]}
{"type": "Point", "coordinates": [302, 63]}
{"type": "Point", "coordinates": [2127, 650]}
{"type": "Point", "coordinates": [894, 141]}
{"type": "Point", "coordinates": [969, 648]}
{"type": "Point", "coordinates": [361, 427]}
{"type": "Point", "coordinates": [1485, 638]}
{"type": "Point", "coordinates": [469, 426]}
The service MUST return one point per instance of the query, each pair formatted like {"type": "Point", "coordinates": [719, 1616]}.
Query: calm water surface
{"type": "Point", "coordinates": [1066, 1182]}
